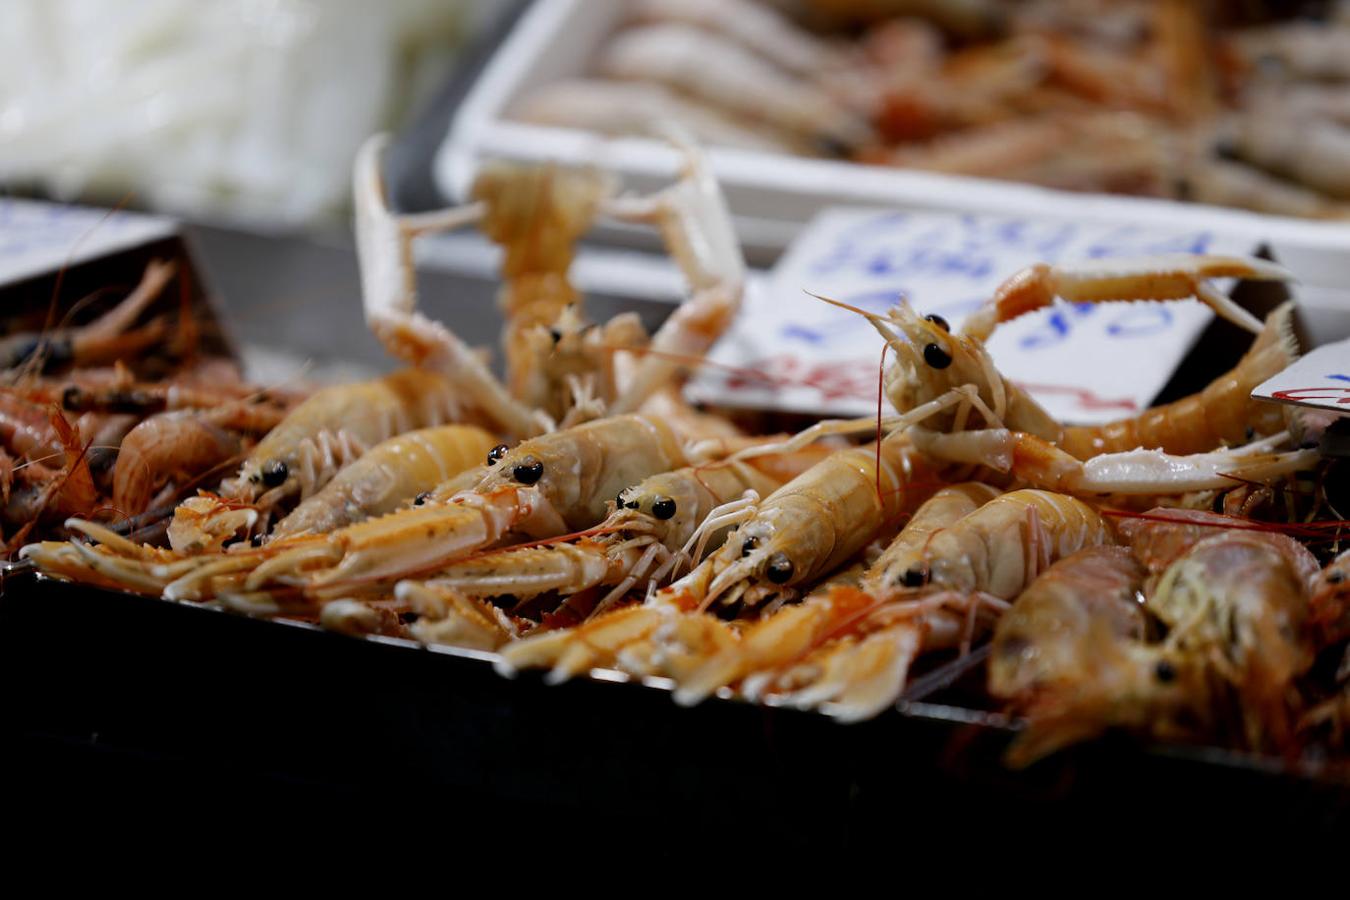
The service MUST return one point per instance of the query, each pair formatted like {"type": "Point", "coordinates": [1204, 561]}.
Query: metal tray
{"type": "Point", "coordinates": [110, 692]}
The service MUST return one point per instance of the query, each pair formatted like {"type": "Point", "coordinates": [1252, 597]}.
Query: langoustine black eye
{"type": "Point", "coordinates": [528, 472]}
{"type": "Point", "coordinates": [1165, 672]}
{"type": "Point", "coordinates": [780, 569]}
{"type": "Point", "coordinates": [915, 576]}
{"type": "Point", "coordinates": [936, 357]}
{"type": "Point", "coordinates": [495, 454]}
{"type": "Point", "coordinates": [275, 473]}
{"type": "Point", "coordinates": [749, 546]}
{"type": "Point", "coordinates": [663, 507]}
{"type": "Point", "coordinates": [939, 322]}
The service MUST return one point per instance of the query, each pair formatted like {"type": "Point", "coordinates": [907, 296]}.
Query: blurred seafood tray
{"type": "Point", "coordinates": [64, 266]}
{"type": "Point", "coordinates": [774, 194]}
{"type": "Point", "coordinates": [172, 716]}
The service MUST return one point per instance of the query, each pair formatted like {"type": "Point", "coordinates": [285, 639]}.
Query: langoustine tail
{"type": "Point", "coordinates": [1223, 412]}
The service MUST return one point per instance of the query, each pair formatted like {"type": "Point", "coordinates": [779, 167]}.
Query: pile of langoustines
{"type": "Point", "coordinates": [581, 515]}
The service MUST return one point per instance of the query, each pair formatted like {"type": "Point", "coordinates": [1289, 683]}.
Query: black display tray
{"type": "Point", "coordinates": [187, 707]}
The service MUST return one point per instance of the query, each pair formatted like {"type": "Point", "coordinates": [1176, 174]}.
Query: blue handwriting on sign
{"type": "Point", "coordinates": [920, 257]}
{"type": "Point", "coordinates": [31, 226]}
{"type": "Point", "coordinates": [1141, 321]}
{"type": "Point", "coordinates": [972, 247]}
{"type": "Point", "coordinates": [1056, 326]}
{"type": "Point", "coordinates": [805, 333]}
{"type": "Point", "coordinates": [1136, 322]}
{"type": "Point", "coordinates": [1340, 377]}
{"type": "Point", "coordinates": [1132, 240]}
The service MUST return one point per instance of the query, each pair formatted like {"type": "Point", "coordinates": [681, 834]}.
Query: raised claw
{"type": "Point", "coordinates": [389, 293]}
{"type": "Point", "coordinates": [692, 215]}
{"type": "Point", "coordinates": [1167, 277]}
{"type": "Point", "coordinates": [384, 239]}
{"type": "Point", "coordinates": [695, 224]}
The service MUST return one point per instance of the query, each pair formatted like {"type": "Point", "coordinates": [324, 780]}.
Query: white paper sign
{"type": "Point", "coordinates": [37, 237]}
{"type": "Point", "coordinates": [1083, 362]}
{"type": "Point", "coordinates": [1320, 379]}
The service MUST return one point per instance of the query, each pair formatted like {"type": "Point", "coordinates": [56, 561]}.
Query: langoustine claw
{"type": "Point", "coordinates": [1158, 278]}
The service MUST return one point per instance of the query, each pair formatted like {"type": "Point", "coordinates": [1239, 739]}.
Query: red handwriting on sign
{"type": "Point", "coordinates": [1305, 395]}
{"type": "Point", "coordinates": [1082, 396]}
{"type": "Point", "coordinates": [832, 380]}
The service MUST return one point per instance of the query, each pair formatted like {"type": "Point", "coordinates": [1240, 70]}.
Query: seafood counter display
{"type": "Point", "coordinates": [1230, 105]}
{"type": "Point", "coordinates": [1174, 574]}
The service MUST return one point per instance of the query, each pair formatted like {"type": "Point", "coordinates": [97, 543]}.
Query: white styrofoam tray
{"type": "Point", "coordinates": [774, 196]}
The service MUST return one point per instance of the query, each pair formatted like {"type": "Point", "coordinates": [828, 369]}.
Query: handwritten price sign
{"type": "Point", "coordinates": [1084, 363]}
{"type": "Point", "coordinates": [37, 237]}
{"type": "Point", "coordinates": [1320, 379]}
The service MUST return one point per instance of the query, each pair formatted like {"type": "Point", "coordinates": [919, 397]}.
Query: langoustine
{"type": "Point", "coordinates": [931, 362]}
{"type": "Point", "coordinates": [796, 535]}
{"type": "Point", "coordinates": [1233, 603]}
{"type": "Point", "coordinates": [1071, 656]}
{"type": "Point", "coordinates": [1240, 602]}
{"type": "Point", "coordinates": [624, 107]}
{"type": "Point", "coordinates": [303, 453]}
{"type": "Point", "coordinates": [931, 596]}
{"type": "Point", "coordinates": [657, 525]}
{"type": "Point", "coordinates": [544, 487]}
{"type": "Point", "coordinates": [393, 472]}
{"type": "Point", "coordinates": [958, 408]}
{"type": "Point", "coordinates": [827, 613]}
{"type": "Point", "coordinates": [167, 449]}
{"type": "Point", "coordinates": [556, 358]}
{"type": "Point", "coordinates": [714, 68]}
{"type": "Point", "coordinates": [944, 380]}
